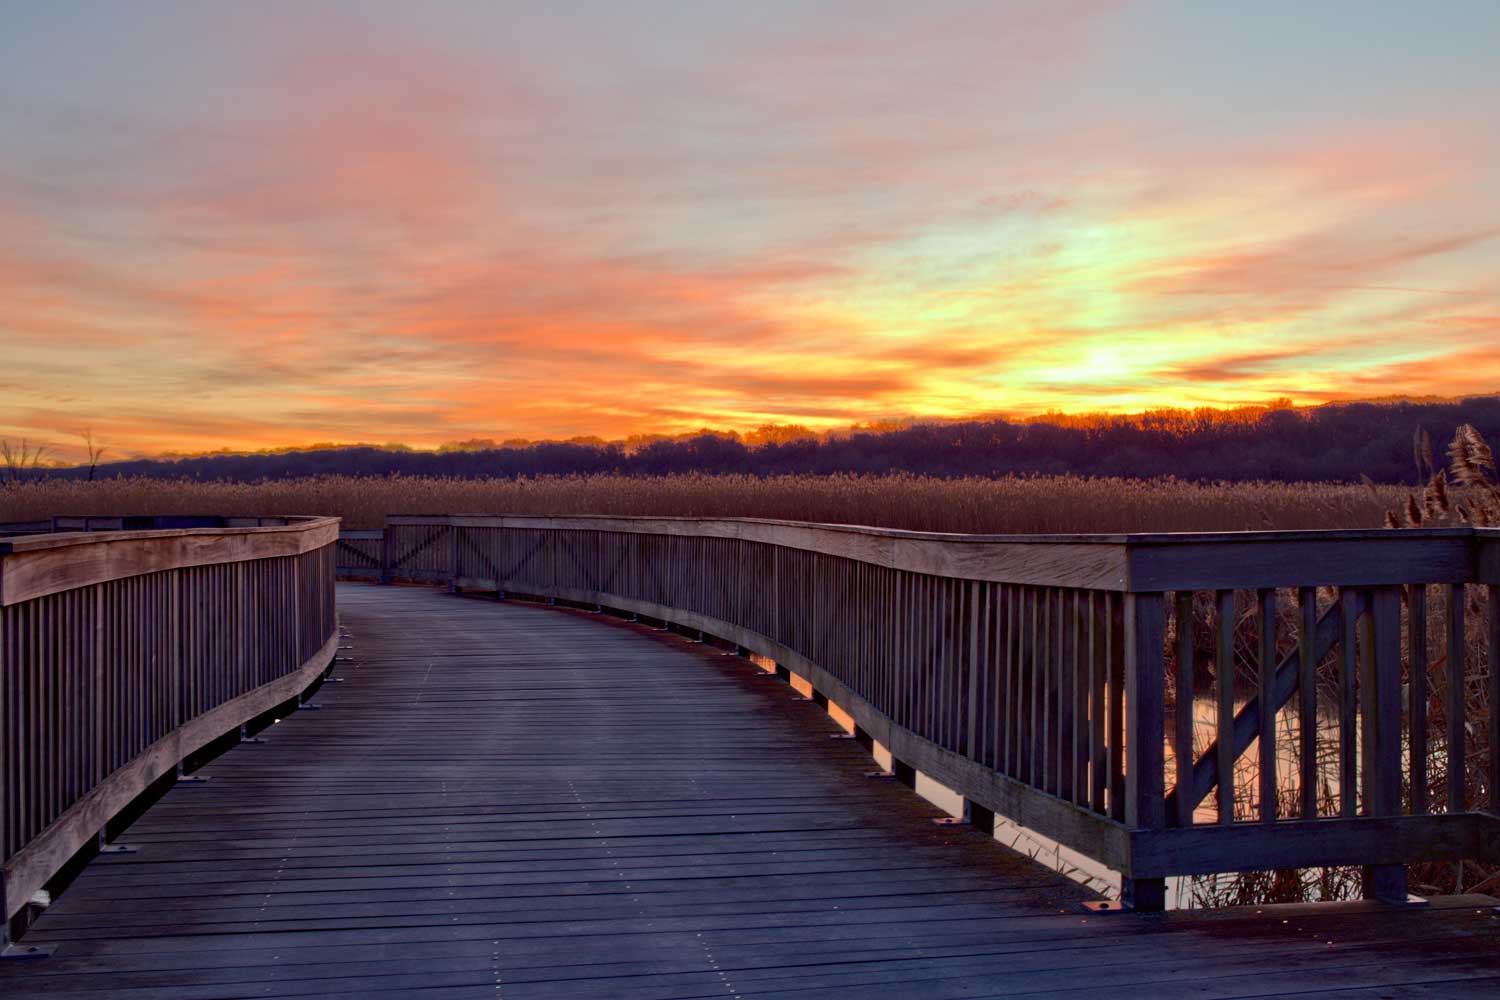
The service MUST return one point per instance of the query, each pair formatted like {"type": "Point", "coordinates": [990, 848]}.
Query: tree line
{"type": "Point", "coordinates": [1332, 442]}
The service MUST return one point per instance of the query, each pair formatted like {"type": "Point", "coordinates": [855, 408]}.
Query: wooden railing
{"type": "Point", "coordinates": [124, 651]}
{"type": "Point", "coordinates": [1106, 691]}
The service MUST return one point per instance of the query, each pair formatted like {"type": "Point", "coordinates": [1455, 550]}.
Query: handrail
{"type": "Point", "coordinates": [124, 651]}
{"type": "Point", "coordinates": [1051, 679]}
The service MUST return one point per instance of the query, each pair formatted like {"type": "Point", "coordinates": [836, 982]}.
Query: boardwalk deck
{"type": "Point", "coordinates": [511, 801]}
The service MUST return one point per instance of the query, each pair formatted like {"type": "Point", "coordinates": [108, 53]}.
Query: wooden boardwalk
{"type": "Point", "coordinates": [512, 801]}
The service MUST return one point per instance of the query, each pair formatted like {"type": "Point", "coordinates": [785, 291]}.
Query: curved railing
{"type": "Point", "coordinates": [124, 651]}
{"type": "Point", "coordinates": [1093, 688]}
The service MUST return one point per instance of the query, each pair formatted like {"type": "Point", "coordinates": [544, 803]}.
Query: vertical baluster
{"type": "Point", "coordinates": [1145, 806]}
{"type": "Point", "coordinates": [1098, 623]}
{"type": "Point", "coordinates": [1064, 672]}
{"type": "Point", "coordinates": [1042, 676]}
{"type": "Point", "coordinates": [1455, 710]}
{"type": "Point", "coordinates": [387, 551]}
{"type": "Point", "coordinates": [1493, 642]}
{"type": "Point", "coordinates": [996, 699]}
{"type": "Point", "coordinates": [1350, 608]}
{"type": "Point", "coordinates": [1051, 716]}
{"type": "Point", "coordinates": [1182, 743]}
{"type": "Point", "coordinates": [1026, 726]}
{"type": "Point", "coordinates": [1266, 625]}
{"type": "Point", "coordinates": [1117, 721]}
{"type": "Point", "coordinates": [1082, 696]}
{"type": "Point", "coordinates": [974, 696]}
{"type": "Point", "coordinates": [1224, 681]}
{"type": "Point", "coordinates": [1307, 684]}
{"type": "Point", "coordinates": [453, 558]}
{"type": "Point", "coordinates": [1010, 631]}
{"type": "Point", "coordinates": [1416, 599]}
{"type": "Point", "coordinates": [1383, 763]}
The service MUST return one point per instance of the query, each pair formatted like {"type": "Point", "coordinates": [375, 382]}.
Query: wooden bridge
{"type": "Point", "coordinates": [510, 799]}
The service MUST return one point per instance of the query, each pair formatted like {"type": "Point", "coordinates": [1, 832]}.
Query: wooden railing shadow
{"type": "Point", "coordinates": [1053, 679]}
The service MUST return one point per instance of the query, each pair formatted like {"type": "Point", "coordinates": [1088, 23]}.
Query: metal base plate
{"type": "Point", "coordinates": [841, 736]}
{"type": "Point", "coordinates": [310, 706]}
{"type": "Point", "coordinates": [25, 951]}
{"type": "Point", "coordinates": [193, 779]}
{"type": "Point", "coordinates": [949, 821]}
{"type": "Point", "coordinates": [119, 849]}
{"type": "Point", "coordinates": [251, 739]}
{"type": "Point", "coordinates": [880, 774]}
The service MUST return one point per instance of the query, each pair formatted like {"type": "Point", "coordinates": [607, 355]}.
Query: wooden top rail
{"type": "Point", "coordinates": [123, 651]}
{"type": "Point", "coordinates": [1119, 562]}
{"type": "Point", "coordinates": [33, 566]}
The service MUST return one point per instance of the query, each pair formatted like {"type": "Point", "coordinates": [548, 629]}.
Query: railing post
{"type": "Point", "coordinates": [385, 554]}
{"type": "Point", "coordinates": [1145, 721]}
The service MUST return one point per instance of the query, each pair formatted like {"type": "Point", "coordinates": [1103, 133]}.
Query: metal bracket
{"type": "Point", "coordinates": [841, 736]}
{"type": "Point", "coordinates": [193, 779]}
{"type": "Point", "coordinates": [119, 848]}
{"type": "Point", "coordinates": [950, 821]}
{"type": "Point", "coordinates": [1413, 901]}
{"type": "Point", "coordinates": [309, 706]}
{"type": "Point", "coordinates": [880, 774]}
{"type": "Point", "coordinates": [1106, 906]}
{"type": "Point", "coordinates": [13, 952]}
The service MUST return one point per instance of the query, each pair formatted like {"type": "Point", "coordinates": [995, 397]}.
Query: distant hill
{"type": "Point", "coordinates": [1337, 441]}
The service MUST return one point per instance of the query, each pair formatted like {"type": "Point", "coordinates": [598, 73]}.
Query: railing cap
{"type": "Point", "coordinates": [1141, 562]}
{"type": "Point", "coordinates": [34, 566]}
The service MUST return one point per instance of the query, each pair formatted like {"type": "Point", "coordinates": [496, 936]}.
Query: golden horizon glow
{"type": "Point", "coordinates": [363, 223]}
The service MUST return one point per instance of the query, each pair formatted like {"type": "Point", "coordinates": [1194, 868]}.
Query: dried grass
{"type": "Point", "coordinates": [1015, 504]}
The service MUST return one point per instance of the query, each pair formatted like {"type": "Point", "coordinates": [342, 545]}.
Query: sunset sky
{"type": "Point", "coordinates": [260, 224]}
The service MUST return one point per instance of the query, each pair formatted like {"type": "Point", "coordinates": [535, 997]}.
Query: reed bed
{"type": "Point", "coordinates": [1007, 505]}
